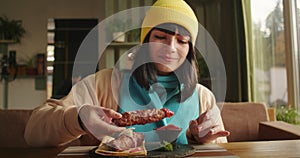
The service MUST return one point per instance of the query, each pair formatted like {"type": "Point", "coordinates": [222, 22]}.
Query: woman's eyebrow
{"type": "Point", "coordinates": [184, 36]}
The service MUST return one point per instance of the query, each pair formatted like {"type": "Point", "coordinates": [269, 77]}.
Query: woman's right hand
{"type": "Point", "coordinates": [97, 120]}
{"type": "Point", "coordinates": [206, 127]}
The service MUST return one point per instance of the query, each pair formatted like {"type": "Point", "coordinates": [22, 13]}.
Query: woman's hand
{"type": "Point", "coordinates": [205, 128]}
{"type": "Point", "coordinates": [97, 121]}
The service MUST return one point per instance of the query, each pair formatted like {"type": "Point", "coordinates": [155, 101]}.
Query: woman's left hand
{"type": "Point", "coordinates": [205, 128]}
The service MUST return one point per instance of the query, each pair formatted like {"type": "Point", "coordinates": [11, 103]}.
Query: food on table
{"type": "Point", "coordinates": [125, 142]}
{"type": "Point", "coordinates": [128, 143]}
{"type": "Point", "coordinates": [168, 133]}
{"type": "Point", "coordinates": [141, 117]}
{"type": "Point", "coordinates": [170, 127]}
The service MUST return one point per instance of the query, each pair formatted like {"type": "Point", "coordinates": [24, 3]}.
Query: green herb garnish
{"type": "Point", "coordinates": [166, 146]}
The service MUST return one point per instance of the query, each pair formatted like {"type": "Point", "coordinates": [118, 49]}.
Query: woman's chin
{"type": "Point", "coordinates": [165, 70]}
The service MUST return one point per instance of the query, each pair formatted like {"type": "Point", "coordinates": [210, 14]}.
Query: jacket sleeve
{"type": "Point", "coordinates": [56, 122]}
{"type": "Point", "coordinates": [53, 124]}
{"type": "Point", "coordinates": [207, 101]}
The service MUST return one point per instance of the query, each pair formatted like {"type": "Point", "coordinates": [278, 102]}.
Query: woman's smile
{"type": "Point", "coordinates": [168, 59]}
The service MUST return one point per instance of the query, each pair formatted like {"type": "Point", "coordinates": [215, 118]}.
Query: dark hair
{"type": "Point", "coordinates": [145, 71]}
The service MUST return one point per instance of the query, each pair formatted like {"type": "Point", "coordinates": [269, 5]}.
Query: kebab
{"type": "Point", "coordinates": [141, 117]}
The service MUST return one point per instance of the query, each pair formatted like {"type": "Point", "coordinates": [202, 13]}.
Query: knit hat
{"type": "Point", "coordinates": [170, 11]}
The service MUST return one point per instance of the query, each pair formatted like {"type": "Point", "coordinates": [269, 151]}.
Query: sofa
{"type": "Point", "coordinates": [245, 121]}
{"type": "Point", "coordinates": [12, 128]}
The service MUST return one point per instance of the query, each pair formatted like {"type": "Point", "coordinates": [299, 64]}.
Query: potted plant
{"type": "Point", "coordinates": [288, 114]}
{"type": "Point", "coordinates": [11, 29]}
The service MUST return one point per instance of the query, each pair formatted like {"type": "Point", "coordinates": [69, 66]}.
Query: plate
{"type": "Point", "coordinates": [179, 150]}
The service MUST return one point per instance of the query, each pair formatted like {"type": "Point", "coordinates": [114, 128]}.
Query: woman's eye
{"type": "Point", "coordinates": [159, 37]}
{"type": "Point", "coordinates": [183, 41]}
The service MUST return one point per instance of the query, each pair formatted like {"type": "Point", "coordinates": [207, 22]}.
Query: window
{"type": "Point", "coordinates": [296, 55]}
{"type": "Point", "coordinates": [273, 58]}
{"type": "Point", "coordinates": [268, 68]}
{"type": "Point", "coordinates": [50, 55]}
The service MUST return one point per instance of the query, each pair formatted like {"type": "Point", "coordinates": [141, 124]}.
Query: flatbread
{"type": "Point", "coordinates": [107, 151]}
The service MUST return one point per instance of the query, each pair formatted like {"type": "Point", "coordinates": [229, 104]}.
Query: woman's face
{"type": "Point", "coordinates": [168, 51]}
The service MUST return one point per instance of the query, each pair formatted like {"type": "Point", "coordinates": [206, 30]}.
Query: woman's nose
{"type": "Point", "coordinates": [172, 44]}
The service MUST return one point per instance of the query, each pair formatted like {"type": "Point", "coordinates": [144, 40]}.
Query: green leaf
{"type": "Point", "coordinates": [288, 114]}
{"type": "Point", "coordinates": [166, 146]}
{"type": "Point", "coordinates": [11, 29]}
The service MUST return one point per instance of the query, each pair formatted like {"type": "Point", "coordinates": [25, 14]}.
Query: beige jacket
{"type": "Point", "coordinates": [56, 122]}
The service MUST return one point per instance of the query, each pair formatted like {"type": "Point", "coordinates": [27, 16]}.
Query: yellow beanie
{"type": "Point", "coordinates": [170, 11]}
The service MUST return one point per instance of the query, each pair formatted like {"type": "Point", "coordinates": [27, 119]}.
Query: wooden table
{"type": "Point", "coordinates": [272, 149]}
{"type": "Point", "coordinates": [261, 149]}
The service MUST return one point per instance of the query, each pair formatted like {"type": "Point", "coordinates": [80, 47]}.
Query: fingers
{"type": "Point", "coordinates": [204, 123]}
{"type": "Point", "coordinates": [111, 113]}
{"type": "Point", "coordinates": [209, 117]}
{"type": "Point", "coordinates": [201, 126]}
{"type": "Point", "coordinates": [95, 121]}
{"type": "Point", "coordinates": [106, 113]}
{"type": "Point", "coordinates": [206, 135]}
{"type": "Point", "coordinates": [201, 118]}
{"type": "Point", "coordinates": [194, 128]}
{"type": "Point", "coordinates": [102, 129]}
{"type": "Point", "coordinates": [217, 132]}
{"type": "Point", "coordinates": [212, 135]}
{"type": "Point", "coordinates": [207, 129]}
{"type": "Point", "coordinates": [223, 133]}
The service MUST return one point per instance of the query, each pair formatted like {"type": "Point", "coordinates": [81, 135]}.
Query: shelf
{"type": "Point", "coordinates": [11, 78]}
{"type": "Point", "coordinates": [7, 41]}
{"type": "Point", "coordinates": [30, 76]}
{"type": "Point", "coordinates": [124, 44]}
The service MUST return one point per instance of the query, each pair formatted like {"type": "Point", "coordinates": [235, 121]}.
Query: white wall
{"type": "Point", "coordinates": [34, 15]}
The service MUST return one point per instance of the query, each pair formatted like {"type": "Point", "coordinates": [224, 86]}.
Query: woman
{"type": "Point", "coordinates": [164, 74]}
